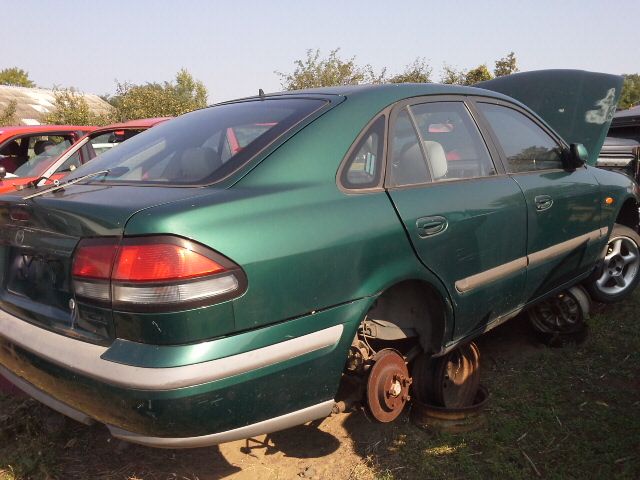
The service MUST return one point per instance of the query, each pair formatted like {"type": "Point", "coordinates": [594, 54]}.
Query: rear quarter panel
{"type": "Point", "coordinates": [304, 244]}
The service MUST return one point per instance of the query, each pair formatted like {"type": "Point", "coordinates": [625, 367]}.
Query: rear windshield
{"type": "Point", "coordinates": [203, 146]}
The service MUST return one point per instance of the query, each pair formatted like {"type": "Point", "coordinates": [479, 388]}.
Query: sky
{"type": "Point", "coordinates": [235, 47]}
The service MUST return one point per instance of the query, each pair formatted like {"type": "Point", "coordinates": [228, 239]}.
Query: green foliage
{"type": "Point", "coordinates": [478, 74]}
{"type": "Point", "coordinates": [15, 77]}
{"type": "Point", "coordinates": [417, 72]}
{"type": "Point", "coordinates": [452, 76]}
{"type": "Point", "coordinates": [71, 108]}
{"type": "Point", "coordinates": [506, 65]}
{"type": "Point", "coordinates": [630, 91]}
{"type": "Point", "coordinates": [322, 72]}
{"type": "Point", "coordinates": [7, 115]}
{"type": "Point", "coordinates": [159, 99]}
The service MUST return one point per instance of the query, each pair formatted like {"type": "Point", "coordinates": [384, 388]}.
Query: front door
{"type": "Point", "coordinates": [563, 207]}
{"type": "Point", "coordinates": [465, 217]}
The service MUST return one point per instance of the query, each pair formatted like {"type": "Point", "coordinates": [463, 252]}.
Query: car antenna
{"type": "Point", "coordinates": [261, 94]}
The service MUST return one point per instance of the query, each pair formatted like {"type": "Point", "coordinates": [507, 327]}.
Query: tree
{"type": "Point", "coordinates": [7, 115]}
{"type": "Point", "coordinates": [15, 77]}
{"type": "Point", "coordinates": [478, 74]}
{"type": "Point", "coordinates": [452, 76]}
{"type": "Point", "coordinates": [315, 71]}
{"type": "Point", "coordinates": [506, 65]}
{"type": "Point", "coordinates": [71, 108]}
{"type": "Point", "coordinates": [630, 95]}
{"type": "Point", "coordinates": [417, 72]}
{"type": "Point", "coordinates": [159, 99]}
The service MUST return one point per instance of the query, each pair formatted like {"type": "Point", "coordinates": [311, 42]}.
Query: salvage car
{"type": "Point", "coordinates": [19, 144]}
{"type": "Point", "coordinates": [54, 163]}
{"type": "Point", "coordinates": [620, 155]}
{"type": "Point", "coordinates": [185, 293]}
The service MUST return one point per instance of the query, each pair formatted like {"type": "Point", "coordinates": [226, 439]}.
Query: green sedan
{"type": "Point", "coordinates": [217, 276]}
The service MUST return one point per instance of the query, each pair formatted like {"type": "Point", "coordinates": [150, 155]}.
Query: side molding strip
{"type": "Point", "coordinates": [564, 247]}
{"type": "Point", "coordinates": [472, 282]}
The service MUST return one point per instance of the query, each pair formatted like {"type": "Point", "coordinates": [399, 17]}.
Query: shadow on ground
{"type": "Point", "coordinates": [340, 447]}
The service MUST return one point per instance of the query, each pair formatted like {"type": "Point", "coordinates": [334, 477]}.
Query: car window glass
{"type": "Point", "coordinates": [364, 165]}
{"type": "Point", "coordinates": [50, 149]}
{"type": "Point", "coordinates": [452, 142]}
{"type": "Point", "coordinates": [526, 146]}
{"type": "Point", "coordinates": [182, 151]}
{"type": "Point", "coordinates": [407, 163]}
{"type": "Point", "coordinates": [47, 145]}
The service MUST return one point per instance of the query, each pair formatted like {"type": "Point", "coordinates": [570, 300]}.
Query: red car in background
{"type": "Point", "coordinates": [19, 144]}
{"type": "Point", "coordinates": [55, 163]}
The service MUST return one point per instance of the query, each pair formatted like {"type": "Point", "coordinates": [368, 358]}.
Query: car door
{"type": "Point", "coordinates": [563, 207]}
{"type": "Point", "coordinates": [464, 216]}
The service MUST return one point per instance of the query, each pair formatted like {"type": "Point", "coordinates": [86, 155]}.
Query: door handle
{"type": "Point", "coordinates": [428, 226]}
{"type": "Point", "coordinates": [543, 202]}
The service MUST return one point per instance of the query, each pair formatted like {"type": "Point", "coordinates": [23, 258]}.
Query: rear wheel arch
{"type": "Point", "coordinates": [415, 305]}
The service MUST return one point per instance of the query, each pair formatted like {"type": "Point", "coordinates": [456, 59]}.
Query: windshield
{"type": "Point", "coordinates": [201, 147]}
{"type": "Point", "coordinates": [37, 165]}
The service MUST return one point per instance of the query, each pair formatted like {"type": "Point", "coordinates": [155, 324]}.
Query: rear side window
{"type": "Point", "coordinates": [363, 167]}
{"type": "Point", "coordinates": [204, 146]}
{"type": "Point", "coordinates": [437, 141]}
{"type": "Point", "coordinates": [407, 163]}
{"type": "Point", "coordinates": [526, 146]}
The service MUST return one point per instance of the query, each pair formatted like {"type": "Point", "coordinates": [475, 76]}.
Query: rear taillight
{"type": "Point", "coordinates": [153, 273]}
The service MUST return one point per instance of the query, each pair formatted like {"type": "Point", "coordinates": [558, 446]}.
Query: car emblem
{"type": "Point", "coordinates": [19, 237]}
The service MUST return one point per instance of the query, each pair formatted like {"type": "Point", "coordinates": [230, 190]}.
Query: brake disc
{"type": "Point", "coordinates": [387, 385]}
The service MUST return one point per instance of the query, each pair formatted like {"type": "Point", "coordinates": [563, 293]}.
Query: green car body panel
{"type": "Point", "coordinates": [316, 256]}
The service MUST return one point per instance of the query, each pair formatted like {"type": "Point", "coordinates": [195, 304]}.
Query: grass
{"type": "Point", "coordinates": [554, 413]}
{"type": "Point", "coordinates": [571, 412]}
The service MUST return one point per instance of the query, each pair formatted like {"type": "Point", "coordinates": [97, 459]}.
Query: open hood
{"type": "Point", "coordinates": [579, 105]}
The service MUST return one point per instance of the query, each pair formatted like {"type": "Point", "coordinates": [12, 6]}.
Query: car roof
{"type": "Point", "coordinates": [631, 112]}
{"type": "Point", "coordinates": [390, 92]}
{"type": "Point", "coordinates": [20, 129]}
{"type": "Point", "coordinates": [141, 123]}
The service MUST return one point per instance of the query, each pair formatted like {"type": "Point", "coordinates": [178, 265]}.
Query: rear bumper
{"type": "Point", "coordinates": [192, 395]}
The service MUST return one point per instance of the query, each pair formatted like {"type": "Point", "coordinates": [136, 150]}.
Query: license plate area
{"type": "Point", "coordinates": [40, 277]}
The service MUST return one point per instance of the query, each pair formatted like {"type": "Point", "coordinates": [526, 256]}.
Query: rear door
{"type": "Point", "coordinates": [563, 207]}
{"type": "Point", "coordinates": [465, 217]}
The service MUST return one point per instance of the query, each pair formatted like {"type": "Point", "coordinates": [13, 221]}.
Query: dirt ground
{"type": "Point", "coordinates": [344, 446]}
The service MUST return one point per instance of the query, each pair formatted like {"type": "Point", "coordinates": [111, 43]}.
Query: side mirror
{"type": "Point", "coordinates": [3, 173]}
{"type": "Point", "coordinates": [576, 157]}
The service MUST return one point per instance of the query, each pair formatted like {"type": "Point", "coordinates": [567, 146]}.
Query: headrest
{"type": "Point", "coordinates": [437, 159]}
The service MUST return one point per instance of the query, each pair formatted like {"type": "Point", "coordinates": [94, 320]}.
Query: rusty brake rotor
{"type": "Point", "coordinates": [387, 385]}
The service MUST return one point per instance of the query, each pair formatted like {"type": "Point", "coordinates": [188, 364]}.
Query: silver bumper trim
{"type": "Point", "coordinates": [84, 358]}
{"type": "Point", "coordinates": [275, 424]}
{"type": "Point", "coordinates": [48, 400]}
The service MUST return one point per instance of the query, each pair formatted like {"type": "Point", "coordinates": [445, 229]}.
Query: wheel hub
{"type": "Point", "coordinates": [621, 264]}
{"type": "Point", "coordinates": [387, 385]}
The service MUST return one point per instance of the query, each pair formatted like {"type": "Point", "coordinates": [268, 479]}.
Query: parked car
{"type": "Point", "coordinates": [620, 155]}
{"type": "Point", "coordinates": [626, 124]}
{"type": "Point", "coordinates": [21, 143]}
{"type": "Point", "coordinates": [56, 162]}
{"type": "Point", "coordinates": [620, 151]}
{"type": "Point", "coordinates": [185, 292]}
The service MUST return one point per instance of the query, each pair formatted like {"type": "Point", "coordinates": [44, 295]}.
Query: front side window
{"type": "Point", "coordinates": [527, 147]}
{"type": "Point", "coordinates": [201, 147]}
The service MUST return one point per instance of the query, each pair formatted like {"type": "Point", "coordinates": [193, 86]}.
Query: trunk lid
{"type": "Point", "coordinates": [38, 237]}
